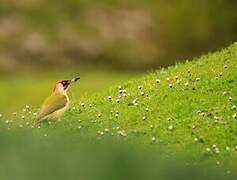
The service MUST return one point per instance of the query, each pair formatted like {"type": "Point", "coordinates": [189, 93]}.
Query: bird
{"type": "Point", "coordinates": [57, 103]}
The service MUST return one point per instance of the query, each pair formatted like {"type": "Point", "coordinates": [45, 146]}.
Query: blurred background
{"type": "Point", "coordinates": [105, 42]}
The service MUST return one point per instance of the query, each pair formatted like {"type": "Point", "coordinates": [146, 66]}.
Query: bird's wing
{"type": "Point", "coordinates": [51, 104]}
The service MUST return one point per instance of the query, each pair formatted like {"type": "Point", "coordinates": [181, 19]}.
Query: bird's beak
{"type": "Point", "coordinates": [74, 80]}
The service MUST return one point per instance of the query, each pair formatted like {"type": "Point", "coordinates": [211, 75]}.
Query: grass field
{"type": "Point", "coordinates": [188, 109]}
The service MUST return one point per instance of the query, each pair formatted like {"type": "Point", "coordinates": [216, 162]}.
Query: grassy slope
{"type": "Point", "coordinates": [171, 114]}
{"type": "Point", "coordinates": [163, 106]}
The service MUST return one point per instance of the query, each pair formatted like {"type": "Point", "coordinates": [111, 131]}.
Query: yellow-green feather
{"type": "Point", "coordinates": [53, 103]}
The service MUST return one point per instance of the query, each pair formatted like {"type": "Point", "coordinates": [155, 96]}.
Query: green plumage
{"type": "Point", "coordinates": [52, 104]}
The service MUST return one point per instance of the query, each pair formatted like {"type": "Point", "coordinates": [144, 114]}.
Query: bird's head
{"type": "Point", "coordinates": [62, 86]}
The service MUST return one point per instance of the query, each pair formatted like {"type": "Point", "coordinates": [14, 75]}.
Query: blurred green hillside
{"type": "Point", "coordinates": [137, 34]}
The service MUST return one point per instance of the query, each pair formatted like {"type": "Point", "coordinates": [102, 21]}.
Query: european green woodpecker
{"type": "Point", "coordinates": [57, 103]}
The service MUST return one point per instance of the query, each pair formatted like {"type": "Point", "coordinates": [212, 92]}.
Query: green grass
{"type": "Point", "coordinates": [169, 119]}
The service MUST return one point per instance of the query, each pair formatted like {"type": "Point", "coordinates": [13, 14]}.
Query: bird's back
{"type": "Point", "coordinates": [53, 103]}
